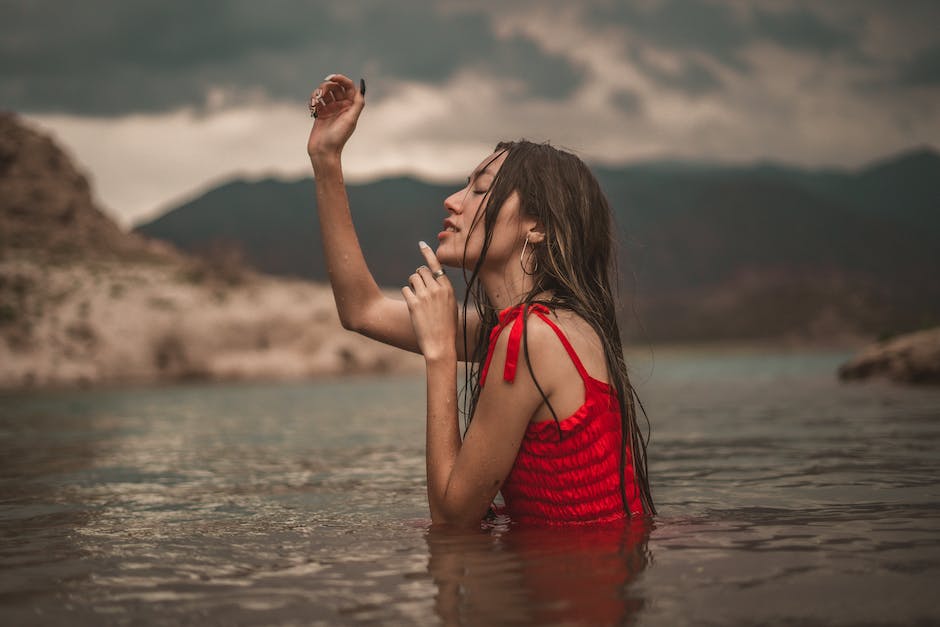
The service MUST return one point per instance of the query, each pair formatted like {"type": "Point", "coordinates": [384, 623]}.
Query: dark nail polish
{"type": "Point", "coordinates": [362, 86]}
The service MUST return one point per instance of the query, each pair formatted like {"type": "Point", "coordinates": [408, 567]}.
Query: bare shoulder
{"type": "Point", "coordinates": [554, 369]}
{"type": "Point", "coordinates": [545, 347]}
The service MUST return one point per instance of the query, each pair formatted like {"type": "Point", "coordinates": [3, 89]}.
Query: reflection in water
{"type": "Point", "coordinates": [576, 576]}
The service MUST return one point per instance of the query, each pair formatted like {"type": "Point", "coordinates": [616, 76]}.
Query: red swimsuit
{"type": "Point", "coordinates": [574, 479]}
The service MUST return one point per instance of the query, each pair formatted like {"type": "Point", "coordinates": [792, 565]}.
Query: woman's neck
{"type": "Point", "coordinates": [508, 288]}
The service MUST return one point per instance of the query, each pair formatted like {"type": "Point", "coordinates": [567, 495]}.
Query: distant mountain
{"type": "Point", "coordinates": [273, 225]}
{"type": "Point", "coordinates": [708, 251]}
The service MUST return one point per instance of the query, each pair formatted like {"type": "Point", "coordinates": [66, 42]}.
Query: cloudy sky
{"type": "Point", "coordinates": [158, 100]}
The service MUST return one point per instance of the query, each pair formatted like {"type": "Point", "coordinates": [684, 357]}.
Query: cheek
{"type": "Point", "coordinates": [507, 238]}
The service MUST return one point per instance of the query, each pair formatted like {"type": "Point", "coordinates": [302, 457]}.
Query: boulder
{"type": "Point", "coordinates": [910, 358]}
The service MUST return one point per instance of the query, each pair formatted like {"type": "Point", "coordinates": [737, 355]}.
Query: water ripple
{"type": "Point", "coordinates": [784, 497]}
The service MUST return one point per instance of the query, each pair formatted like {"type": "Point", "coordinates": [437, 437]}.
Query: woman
{"type": "Point", "coordinates": [554, 427]}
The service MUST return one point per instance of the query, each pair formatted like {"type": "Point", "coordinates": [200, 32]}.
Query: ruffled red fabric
{"type": "Point", "coordinates": [566, 473]}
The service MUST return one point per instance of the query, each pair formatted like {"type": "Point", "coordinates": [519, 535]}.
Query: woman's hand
{"type": "Point", "coordinates": [337, 115]}
{"type": "Point", "coordinates": [433, 308]}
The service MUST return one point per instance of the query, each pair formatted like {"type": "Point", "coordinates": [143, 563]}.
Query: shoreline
{"type": "Point", "coordinates": [636, 359]}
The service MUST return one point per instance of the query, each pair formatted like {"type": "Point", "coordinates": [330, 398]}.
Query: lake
{"type": "Point", "coordinates": [784, 497]}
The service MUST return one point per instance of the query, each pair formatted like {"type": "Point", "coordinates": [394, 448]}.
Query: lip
{"type": "Point", "coordinates": [449, 229]}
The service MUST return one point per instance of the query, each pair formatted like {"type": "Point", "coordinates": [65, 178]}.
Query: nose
{"type": "Point", "coordinates": [452, 202]}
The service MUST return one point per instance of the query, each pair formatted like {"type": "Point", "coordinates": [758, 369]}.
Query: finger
{"type": "Point", "coordinates": [425, 274]}
{"type": "Point", "coordinates": [332, 109]}
{"type": "Point", "coordinates": [329, 92]}
{"type": "Point", "coordinates": [416, 281]}
{"type": "Point", "coordinates": [355, 93]}
{"type": "Point", "coordinates": [431, 258]}
{"type": "Point", "coordinates": [322, 97]}
{"type": "Point", "coordinates": [343, 80]}
{"type": "Point", "coordinates": [326, 89]}
{"type": "Point", "coordinates": [336, 91]}
{"type": "Point", "coordinates": [337, 94]}
{"type": "Point", "coordinates": [410, 299]}
{"type": "Point", "coordinates": [349, 99]}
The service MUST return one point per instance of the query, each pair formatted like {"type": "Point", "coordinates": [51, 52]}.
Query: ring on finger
{"type": "Point", "coordinates": [313, 103]}
{"type": "Point", "coordinates": [438, 273]}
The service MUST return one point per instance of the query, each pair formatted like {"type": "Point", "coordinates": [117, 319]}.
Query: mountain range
{"type": "Point", "coordinates": [706, 251]}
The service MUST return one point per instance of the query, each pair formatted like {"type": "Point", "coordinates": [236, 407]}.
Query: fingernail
{"type": "Point", "coordinates": [330, 77]}
{"type": "Point", "coordinates": [362, 86]}
{"type": "Point", "coordinates": [423, 244]}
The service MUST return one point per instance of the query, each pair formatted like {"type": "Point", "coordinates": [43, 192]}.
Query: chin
{"type": "Point", "coordinates": [448, 262]}
{"type": "Point", "coordinates": [447, 257]}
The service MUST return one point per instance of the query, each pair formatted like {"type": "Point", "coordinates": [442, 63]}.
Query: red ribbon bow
{"type": "Point", "coordinates": [515, 315]}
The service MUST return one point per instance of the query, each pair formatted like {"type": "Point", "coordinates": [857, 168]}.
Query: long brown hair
{"type": "Point", "coordinates": [575, 262]}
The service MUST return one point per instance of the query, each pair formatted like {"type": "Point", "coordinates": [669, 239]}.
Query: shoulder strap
{"type": "Point", "coordinates": [568, 347]}
{"type": "Point", "coordinates": [517, 316]}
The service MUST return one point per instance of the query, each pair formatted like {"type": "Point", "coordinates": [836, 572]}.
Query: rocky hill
{"type": "Point", "coordinates": [82, 302]}
{"type": "Point", "coordinates": [46, 205]}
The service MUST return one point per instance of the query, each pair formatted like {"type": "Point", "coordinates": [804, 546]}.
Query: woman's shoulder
{"type": "Point", "coordinates": [572, 325]}
{"type": "Point", "coordinates": [581, 336]}
{"type": "Point", "coordinates": [547, 328]}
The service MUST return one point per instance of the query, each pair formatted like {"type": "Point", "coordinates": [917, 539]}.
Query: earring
{"type": "Point", "coordinates": [522, 258]}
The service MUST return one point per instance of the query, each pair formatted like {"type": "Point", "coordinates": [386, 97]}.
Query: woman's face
{"type": "Point", "coordinates": [463, 207]}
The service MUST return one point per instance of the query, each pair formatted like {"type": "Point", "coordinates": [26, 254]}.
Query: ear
{"type": "Point", "coordinates": [535, 233]}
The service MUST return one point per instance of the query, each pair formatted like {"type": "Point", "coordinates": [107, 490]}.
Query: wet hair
{"type": "Point", "coordinates": [575, 262]}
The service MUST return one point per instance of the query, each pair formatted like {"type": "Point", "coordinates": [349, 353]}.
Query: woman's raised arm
{"type": "Point", "coordinates": [361, 305]}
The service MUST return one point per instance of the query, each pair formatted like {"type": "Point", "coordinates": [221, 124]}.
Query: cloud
{"type": "Point", "coordinates": [801, 30]}
{"type": "Point", "coordinates": [923, 69]}
{"type": "Point", "coordinates": [683, 73]}
{"type": "Point", "coordinates": [156, 99]}
{"type": "Point", "coordinates": [138, 164]}
{"type": "Point", "coordinates": [109, 57]}
{"type": "Point", "coordinates": [627, 101]}
{"type": "Point", "coordinates": [142, 164]}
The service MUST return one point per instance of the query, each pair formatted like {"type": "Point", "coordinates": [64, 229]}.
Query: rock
{"type": "Point", "coordinates": [910, 358]}
{"type": "Point", "coordinates": [47, 208]}
{"type": "Point", "coordinates": [84, 303]}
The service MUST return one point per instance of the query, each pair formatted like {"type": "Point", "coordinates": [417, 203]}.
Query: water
{"type": "Point", "coordinates": [784, 498]}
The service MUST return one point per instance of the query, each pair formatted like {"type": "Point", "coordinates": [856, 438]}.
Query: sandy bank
{"type": "Point", "coordinates": [111, 321]}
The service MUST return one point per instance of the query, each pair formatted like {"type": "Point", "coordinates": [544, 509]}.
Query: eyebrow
{"type": "Point", "coordinates": [485, 170]}
{"type": "Point", "coordinates": [479, 173]}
